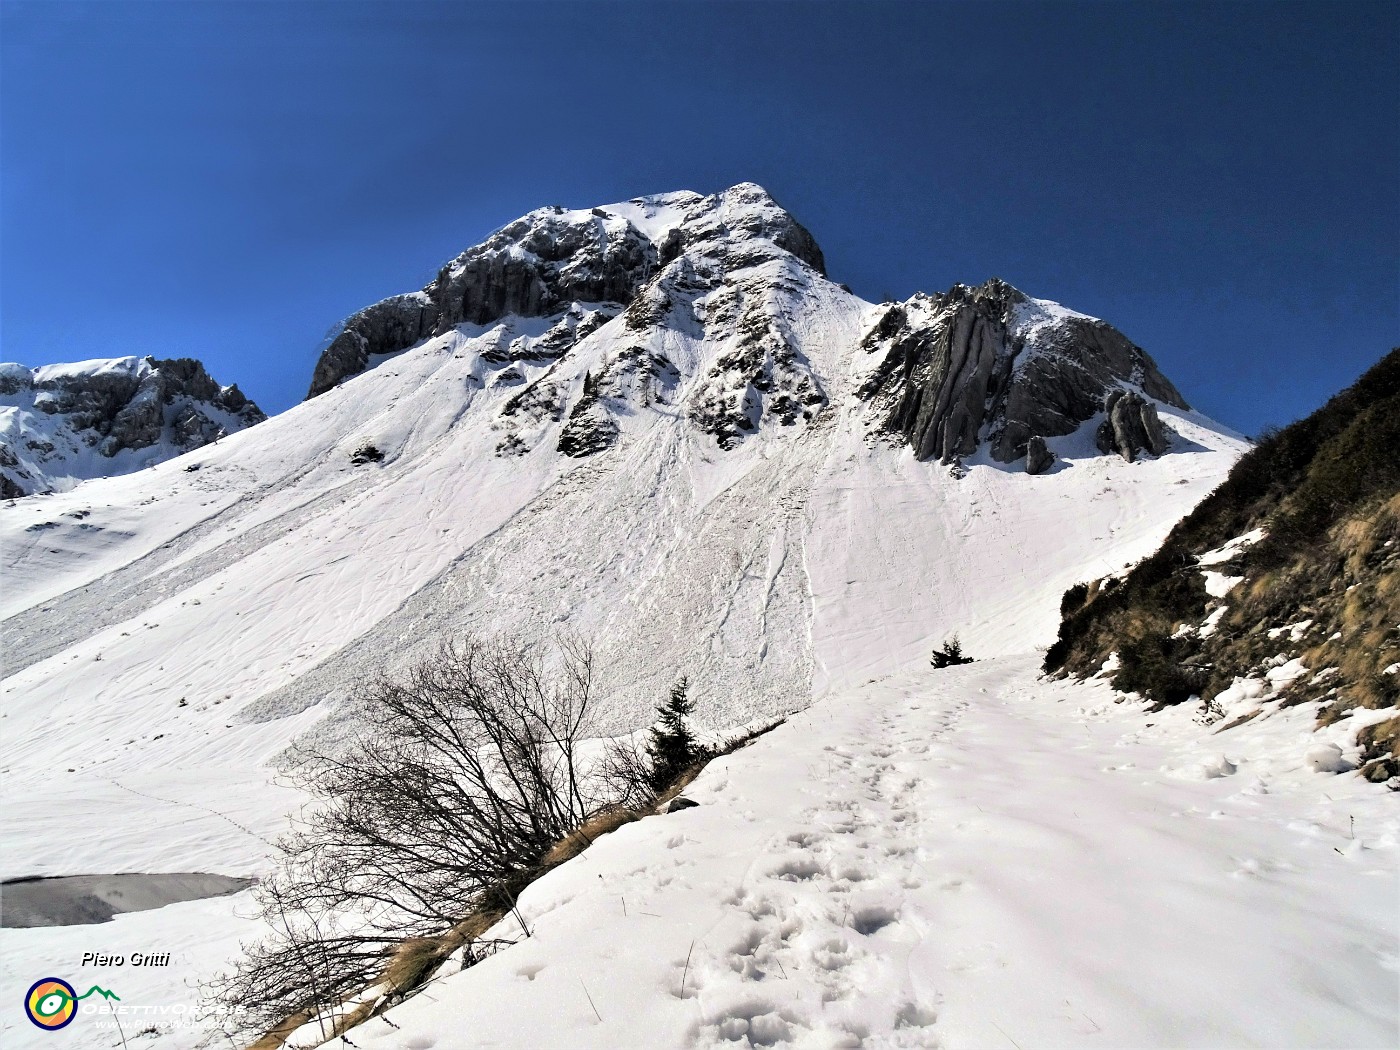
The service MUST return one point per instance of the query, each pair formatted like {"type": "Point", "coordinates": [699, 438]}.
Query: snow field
{"type": "Point", "coordinates": [961, 858]}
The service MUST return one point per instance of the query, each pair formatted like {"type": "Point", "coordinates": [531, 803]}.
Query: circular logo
{"type": "Point", "coordinates": [51, 1003]}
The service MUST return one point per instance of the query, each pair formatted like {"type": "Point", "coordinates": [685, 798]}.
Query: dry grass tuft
{"type": "Point", "coordinates": [574, 843]}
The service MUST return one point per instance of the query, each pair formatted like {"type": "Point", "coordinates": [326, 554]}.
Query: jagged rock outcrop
{"type": "Point", "coordinates": [951, 372]}
{"type": "Point", "coordinates": [991, 364]}
{"type": "Point", "coordinates": [1130, 426]}
{"type": "Point", "coordinates": [396, 323]}
{"type": "Point", "coordinates": [727, 269]}
{"type": "Point", "coordinates": [554, 260]}
{"type": "Point", "coordinates": [758, 375]}
{"type": "Point", "coordinates": [589, 428]}
{"type": "Point", "coordinates": [68, 420]}
{"type": "Point", "coordinates": [1039, 458]}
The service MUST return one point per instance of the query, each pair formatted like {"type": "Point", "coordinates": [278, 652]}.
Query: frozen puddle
{"type": "Point", "coordinates": [78, 900]}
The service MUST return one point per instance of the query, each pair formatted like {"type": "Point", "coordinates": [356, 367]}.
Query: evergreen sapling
{"type": "Point", "coordinates": [672, 745]}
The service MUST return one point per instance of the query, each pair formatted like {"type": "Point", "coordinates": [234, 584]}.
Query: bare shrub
{"type": "Point", "coordinates": [465, 774]}
{"type": "Point", "coordinates": [625, 771]}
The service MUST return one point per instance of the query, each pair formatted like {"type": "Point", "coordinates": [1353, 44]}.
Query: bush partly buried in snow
{"type": "Point", "coordinates": [466, 776]}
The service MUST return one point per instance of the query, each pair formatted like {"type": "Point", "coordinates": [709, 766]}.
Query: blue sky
{"type": "Point", "coordinates": [1220, 181]}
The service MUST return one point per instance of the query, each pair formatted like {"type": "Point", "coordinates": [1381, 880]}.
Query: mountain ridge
{"type": "Point", "coordinates": [64, 423]}
{"type": "Point", "coordinates": [971, 365]}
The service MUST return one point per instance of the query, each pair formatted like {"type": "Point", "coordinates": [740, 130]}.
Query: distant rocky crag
{"type": "Point", "coordinates": [991, 364]}
{"type": "Point", "coordinates": [66, 420]}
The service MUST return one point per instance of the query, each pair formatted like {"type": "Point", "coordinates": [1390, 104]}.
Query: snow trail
{"type": "Point", "coordinates": [960, 858]}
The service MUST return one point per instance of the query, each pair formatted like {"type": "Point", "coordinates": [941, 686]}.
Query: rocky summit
{"type": "Point", "coordinates": [60, 424]}
{"type": "Point", "coordinates": [991, 364]}
{"type": "Point", "coordinates": [945, 373]}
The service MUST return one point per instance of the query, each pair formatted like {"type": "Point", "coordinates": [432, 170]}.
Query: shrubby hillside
{"type": "Point", "coordinates": [1288, 573]}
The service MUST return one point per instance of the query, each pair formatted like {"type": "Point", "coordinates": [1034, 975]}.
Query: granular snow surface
{"type": "Point", "coordinates": [970, 857]}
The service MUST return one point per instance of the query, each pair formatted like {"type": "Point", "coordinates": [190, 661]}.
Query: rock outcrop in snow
{"type": "Point", "coordinates": [547, 261]}
{"type": "Point", "coordinates": [65, 423]}
{"type": "Point", "coordinates": [1130, 426]}
{"type": "Point", "coordinates": [1039, 458]}
{"type": "Point", "coordinates": [992, 364]}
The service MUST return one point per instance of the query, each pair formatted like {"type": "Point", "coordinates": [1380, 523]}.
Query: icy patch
{"type": "Point", "coordinates": [80, 900]}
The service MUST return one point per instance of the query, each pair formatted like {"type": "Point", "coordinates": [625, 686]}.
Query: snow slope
{"type": "Point", "coordinates": [198, 621]}
{"type": "Point", "coordinates": [963, 858]}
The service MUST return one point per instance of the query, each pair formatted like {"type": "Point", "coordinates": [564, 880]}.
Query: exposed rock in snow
{"type": "Point", "coordinates": [1039, 458]}
{"type": "Point", "coordinates": [990, 363]}
{"type": "Point", "coordinates": [1130, 426]}
{"type": "Point", "coordinates": [60, 424]}
{"type": "Point", "coordinates": [545, 262]}
{"type": "Point", "coordinates": [589, 429]}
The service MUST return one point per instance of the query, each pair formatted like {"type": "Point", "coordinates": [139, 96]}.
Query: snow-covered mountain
{"type": "Point", "coordinates": [61, 424]}
{"type": "Point", "coordinates": [657, 424]}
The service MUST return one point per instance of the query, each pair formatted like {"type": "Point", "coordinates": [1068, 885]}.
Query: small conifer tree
{"type": "Point", "coordinates": [950, 655]}
{"type": "Point", "coordinates": [672, 746]}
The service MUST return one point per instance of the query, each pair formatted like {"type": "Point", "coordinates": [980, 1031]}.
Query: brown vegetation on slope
{"type": "Point", "coordinates": [1324, 492]}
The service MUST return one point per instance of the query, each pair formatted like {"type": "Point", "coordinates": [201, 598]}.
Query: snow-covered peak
{"type": "Point", "coordinates": [53, 375]}
{"type": "Point", "coordinates": [1029, 316]}
{"type": "Point", "coordinates": [988, 364]}
{"type": "Point", "coordinates": [64, 423]}
{"type": "Point", "coordinates": [553, 259]}
{"type": "Point", "coordinates": [658, 214]}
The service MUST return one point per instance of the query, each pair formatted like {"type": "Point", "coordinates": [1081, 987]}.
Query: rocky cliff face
{"type": "Point", "coordinates": [992, 364]}
{"type": "Point", "coordinates": [943, 373]}
{"type": "Point", "coordinates": [64, 423]}
{"type": "Point", "coordinates": [546, 262]}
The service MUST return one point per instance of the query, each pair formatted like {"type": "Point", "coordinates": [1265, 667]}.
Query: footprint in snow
{"type": "Point", "coordinates": [872, 918]}
{"type": "Point", "coordinates": [798, 868]}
